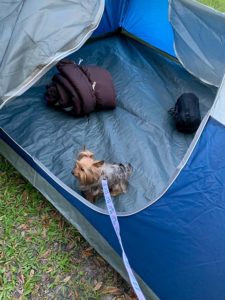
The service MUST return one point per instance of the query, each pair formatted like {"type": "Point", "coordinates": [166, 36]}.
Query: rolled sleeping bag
{"type": "Point", "coordinates": [58, 96]}
{"type": "Point", "coordinates": [102, 84]}
{"type": "Point", "coordinates": [81, 89]}
{"type": "Point", "coordinates": [68, 97]}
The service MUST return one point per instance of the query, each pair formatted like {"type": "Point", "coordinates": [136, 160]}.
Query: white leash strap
{"type": "Point", "coordinates": [116, 226]}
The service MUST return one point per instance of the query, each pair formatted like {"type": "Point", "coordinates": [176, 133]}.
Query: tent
{"type": "Point", "coordinates": [172, 218]}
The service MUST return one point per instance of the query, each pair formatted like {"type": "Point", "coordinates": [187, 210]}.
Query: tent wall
{"type": "Point", "coordinates": [199, 39]}
{"type": "Point", "coordinates": [147, 20]}
{"type": "Point", "coordinates": [112, 17]}
{"type": "Point", "coordinates": [196, 31]}
{"type": "Point", "coordinates": [217, 111]}
{"type": "Point", "coordinates": [35, 34]}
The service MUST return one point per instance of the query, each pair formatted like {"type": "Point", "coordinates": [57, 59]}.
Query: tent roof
{"type": "Point", "coordinates": [36, 34]}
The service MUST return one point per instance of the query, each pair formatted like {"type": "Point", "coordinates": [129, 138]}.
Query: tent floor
{"type": "Point", "coordinates": [139, 131]}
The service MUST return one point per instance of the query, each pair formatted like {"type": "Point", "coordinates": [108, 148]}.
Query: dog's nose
{"type": "Point", "coordinates": [72, 172]}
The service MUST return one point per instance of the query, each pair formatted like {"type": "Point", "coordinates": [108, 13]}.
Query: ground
{"type": "Point", "coordinates": [44, 257]}
{"type": "Point", "coordinates": [217, 4]}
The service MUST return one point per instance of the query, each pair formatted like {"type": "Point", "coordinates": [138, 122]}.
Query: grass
{"type": "Point", "coordinates": [41, 255]}
{"type": "Point", "coordinates": [217, 4]}
{"type": "Point", "coordinates": [44, 257]}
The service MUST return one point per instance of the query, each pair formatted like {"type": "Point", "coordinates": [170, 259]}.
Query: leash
{"type": "Point", "coordinates": [116, 226]}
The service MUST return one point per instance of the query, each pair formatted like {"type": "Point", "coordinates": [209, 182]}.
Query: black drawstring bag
{"type": "Point", "coordinates": [186, 113]}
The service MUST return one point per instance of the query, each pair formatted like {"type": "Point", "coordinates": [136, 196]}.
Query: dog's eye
{"type": "Point", "coordinates": [82, 169]}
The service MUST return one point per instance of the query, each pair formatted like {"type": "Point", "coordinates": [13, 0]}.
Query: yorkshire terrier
{"type": "Point", "coordinates": [90, 173]}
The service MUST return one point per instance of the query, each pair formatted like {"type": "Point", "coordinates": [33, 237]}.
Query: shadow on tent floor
{"type": "Point", "coordinates": [138, 131]}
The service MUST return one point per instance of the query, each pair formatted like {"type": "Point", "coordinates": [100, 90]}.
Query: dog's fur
{"type": "Point", "coordinates": [90, 173]}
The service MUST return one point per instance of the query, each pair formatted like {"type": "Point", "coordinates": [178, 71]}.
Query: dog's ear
{"type": "Point", "coordinates": [79, 164]}
{"type": "Point", "coordinates": [98, 163]}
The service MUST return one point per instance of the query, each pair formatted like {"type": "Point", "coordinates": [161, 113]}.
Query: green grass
{"type": "Point", "coordinates": [41, 255]}
{"type": "Point", "coordinates": [217, 4]}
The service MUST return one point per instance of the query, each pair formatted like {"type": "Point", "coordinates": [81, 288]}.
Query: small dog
{"type": "Point", "coordinates": [90, 173]}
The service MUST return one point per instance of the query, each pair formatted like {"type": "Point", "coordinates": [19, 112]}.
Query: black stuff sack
{"type": "Point", "coordinates": [186, 113]}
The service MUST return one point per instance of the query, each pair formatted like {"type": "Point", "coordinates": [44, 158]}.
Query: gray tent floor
{"type": "Point", "coordinates": [139, 131]}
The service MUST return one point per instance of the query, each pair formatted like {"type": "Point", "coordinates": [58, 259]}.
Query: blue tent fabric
{"type": "Point", "coordinates": [112, 17]}
{"type": "Point", "coordinates": [150, 15]}
{"type": "Point", "coordinates": [153, 17]}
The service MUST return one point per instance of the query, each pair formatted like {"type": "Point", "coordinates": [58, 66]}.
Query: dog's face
{"type": "Point", "coordinates": [87, 170]}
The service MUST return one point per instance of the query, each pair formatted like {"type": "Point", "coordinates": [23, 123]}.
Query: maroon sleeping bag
{"type": "Point", "coordinates": [81, 89]}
